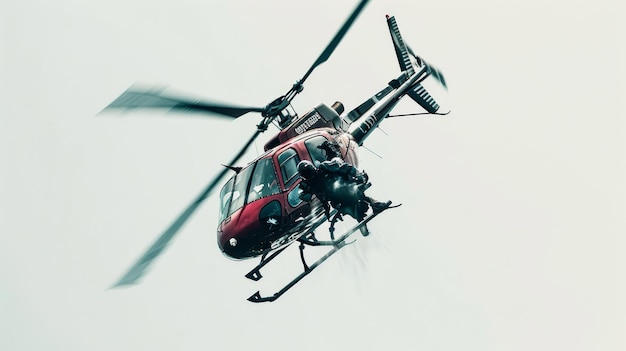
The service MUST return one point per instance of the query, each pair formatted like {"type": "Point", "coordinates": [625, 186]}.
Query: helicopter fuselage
{"type": "Point", "coordinates": [260, 206]}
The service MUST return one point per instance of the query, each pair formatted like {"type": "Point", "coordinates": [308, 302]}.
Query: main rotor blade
{"type": "Point", "coordinates": [335, 42]}
{"type": "Point", "coordinates": [135, 99]}
{"type": "Point", "coordinates": [139, 268]}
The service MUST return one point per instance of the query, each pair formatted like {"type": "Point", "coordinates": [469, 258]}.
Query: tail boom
{"type": "Point", "coordinates": [397, 88]}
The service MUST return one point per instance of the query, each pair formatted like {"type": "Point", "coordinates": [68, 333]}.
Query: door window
{"type": "Point", "coordinates": [288, 161]}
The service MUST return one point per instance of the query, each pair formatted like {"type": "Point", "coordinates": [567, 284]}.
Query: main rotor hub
{"type": "Point", "coordinates": [279, 108]}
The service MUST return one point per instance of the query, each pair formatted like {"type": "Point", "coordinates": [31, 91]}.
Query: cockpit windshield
{"type": "Point", "coordinates": [254, 182]}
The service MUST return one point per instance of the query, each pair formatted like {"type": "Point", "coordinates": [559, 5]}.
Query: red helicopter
{"type": "Point", "coordinates": [262, 210]}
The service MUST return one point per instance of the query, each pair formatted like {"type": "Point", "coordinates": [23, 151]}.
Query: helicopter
{"type": "Point", "coordinates": [261, 207]}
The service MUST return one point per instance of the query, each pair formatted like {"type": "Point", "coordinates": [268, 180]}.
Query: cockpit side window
{"type": "Point", "coordinates": [233, 194]}
{"type": "Point", "coordinates": [317, 155]}
{"type": "Point", "coordinates": [264, 181]}
{"type": "Point", "coordinates": [288, 161]}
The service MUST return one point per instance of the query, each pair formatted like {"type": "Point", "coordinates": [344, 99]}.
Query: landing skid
{"type": "Point", "coordinates": [309, 239]}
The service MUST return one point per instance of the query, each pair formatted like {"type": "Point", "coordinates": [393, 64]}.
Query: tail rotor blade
{"type": "Point", "coordinates": [434, 72]}
{"type": "Point", "coordinates": [139, 268]}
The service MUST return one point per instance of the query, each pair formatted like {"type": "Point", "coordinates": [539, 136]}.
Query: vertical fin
{"type": "Point", "coordinates": [402, 52]}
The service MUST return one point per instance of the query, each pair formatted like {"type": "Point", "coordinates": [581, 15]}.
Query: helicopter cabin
{"type": "Point", "coordinates": [272, 173]}
{"type": "Point", "coordinates": [262, 199]}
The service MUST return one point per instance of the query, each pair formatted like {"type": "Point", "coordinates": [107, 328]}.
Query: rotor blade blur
{"type": "Point", "coordinates": [137, 99]}
{"type": "Point", "coordinates": [335, 42]}
{"type": "Point", "coordinates": [434, 72]}
{"type": "Point", "coordinates": [139, 268]}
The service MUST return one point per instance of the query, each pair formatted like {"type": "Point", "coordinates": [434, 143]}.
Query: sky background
{"type": "Point", "coordinates": [511, 233]}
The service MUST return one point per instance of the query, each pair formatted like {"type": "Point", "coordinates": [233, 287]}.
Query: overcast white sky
{"type": "Point", "coordinates": [511, 236]}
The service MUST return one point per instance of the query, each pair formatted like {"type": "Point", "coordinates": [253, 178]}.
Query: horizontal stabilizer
{"type": "Point", "coordinates": [423, 98]}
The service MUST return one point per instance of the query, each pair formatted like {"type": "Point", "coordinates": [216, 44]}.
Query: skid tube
{"type": "Point", "coordinates": [337, 245]}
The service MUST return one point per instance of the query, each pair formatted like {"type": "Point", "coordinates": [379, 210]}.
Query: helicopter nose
{"type": "Point", "coordinates": [243, 234]}
{"type": "Point", "coordinates": [235, 249]}
{"type": "Point", "coordinates": [232, 247]}
{"type": "Point", "coordinates": [236, 241]}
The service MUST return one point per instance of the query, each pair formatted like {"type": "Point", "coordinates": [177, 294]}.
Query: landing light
{"type": "Point", "coordinates": [232, 242]}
